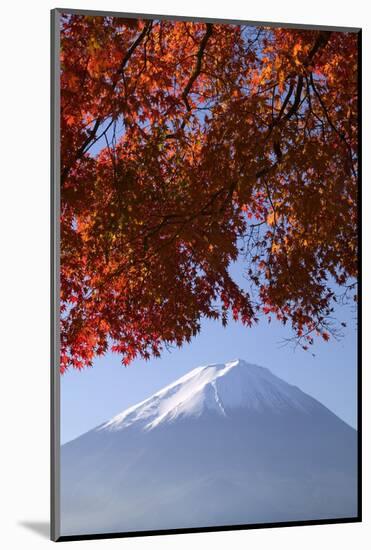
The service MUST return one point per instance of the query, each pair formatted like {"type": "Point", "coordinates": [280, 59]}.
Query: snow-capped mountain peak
{"type": "Point", "coordinates": [221, 388]}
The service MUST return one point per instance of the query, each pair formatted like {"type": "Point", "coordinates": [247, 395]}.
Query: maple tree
{"type": "Point", "coordinates": [185, 146]}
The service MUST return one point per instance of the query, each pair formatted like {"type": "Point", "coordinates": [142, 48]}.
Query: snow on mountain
{"type": "Point", "coordinates": [219, 387]}
{"type": "Point", "coordinates": [225, 444]}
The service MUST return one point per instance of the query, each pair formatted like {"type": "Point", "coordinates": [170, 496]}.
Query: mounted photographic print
{"type": "Point", "coordinates": [205, 265]}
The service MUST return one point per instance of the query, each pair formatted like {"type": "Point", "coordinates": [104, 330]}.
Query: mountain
{"type": "Point", "coordinates": [225, 444]}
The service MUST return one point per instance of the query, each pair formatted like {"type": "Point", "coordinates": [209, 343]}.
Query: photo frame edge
{"type": "Point", "coordinates": [54, 282]}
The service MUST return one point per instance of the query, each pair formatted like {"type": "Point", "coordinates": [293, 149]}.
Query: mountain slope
{"type": "Point", "coordinates": [225, 444]}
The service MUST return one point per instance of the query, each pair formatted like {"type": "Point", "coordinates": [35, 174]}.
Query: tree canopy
{"type": "Point", "coordinates": [185, 146]}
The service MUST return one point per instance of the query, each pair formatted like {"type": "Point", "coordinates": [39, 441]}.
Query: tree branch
{"type": "Point", "coordinates": [194, 75]}
{"type": "Point", "coordinates": [197, 69]}
{"type": "Point", "coordinates": [93, 132]}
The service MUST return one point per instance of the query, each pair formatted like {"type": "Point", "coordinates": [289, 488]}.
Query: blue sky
{"type": "Point", "coordinates": [96, 394]}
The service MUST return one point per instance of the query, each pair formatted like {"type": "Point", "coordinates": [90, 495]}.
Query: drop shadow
{"type": "Point", "coordinates": [41, 528]}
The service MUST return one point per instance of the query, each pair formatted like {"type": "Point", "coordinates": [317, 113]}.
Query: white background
{"type": "Point", "coordinates": [24, 271]}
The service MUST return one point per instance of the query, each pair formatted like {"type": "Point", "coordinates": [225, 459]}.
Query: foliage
{"type": "Point", "coordinates": [185, 145]}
